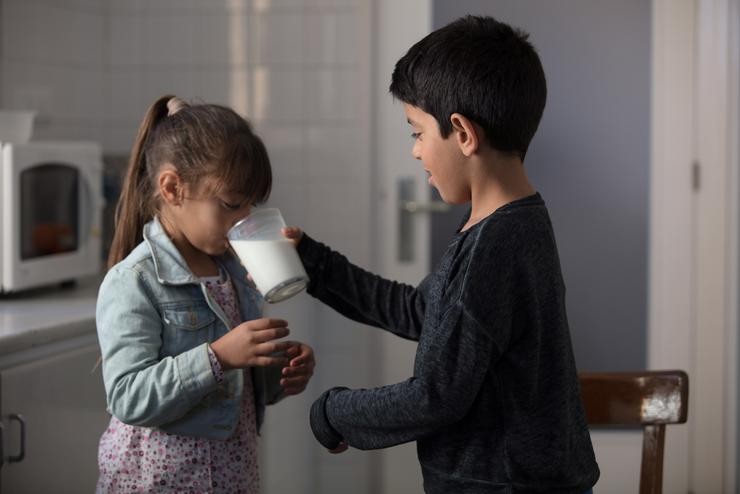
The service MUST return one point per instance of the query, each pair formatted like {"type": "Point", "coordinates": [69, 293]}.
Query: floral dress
{"type": "Point", "coordinates": [136, 459]}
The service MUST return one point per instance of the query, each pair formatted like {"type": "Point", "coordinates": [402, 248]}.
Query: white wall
{"type": "Point", "coordinates": [52, 61]}
{"type": "Point", "coordinates": [300, 71]}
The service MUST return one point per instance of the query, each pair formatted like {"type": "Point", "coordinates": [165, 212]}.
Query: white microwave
{"type": "Point", "coordinates": [50, 213]}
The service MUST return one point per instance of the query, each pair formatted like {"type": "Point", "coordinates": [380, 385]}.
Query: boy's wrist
{"type": "Point", "coordinates": [322, 429]}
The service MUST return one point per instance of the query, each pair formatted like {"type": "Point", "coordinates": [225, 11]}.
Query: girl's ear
{"type": "Point", "coordinates": [170, 187]}
{"type": "Point", "coordinates": [465, 133]}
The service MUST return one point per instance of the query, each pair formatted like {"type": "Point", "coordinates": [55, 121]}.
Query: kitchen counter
{"type": "Point", "coordinates": [47, 315]}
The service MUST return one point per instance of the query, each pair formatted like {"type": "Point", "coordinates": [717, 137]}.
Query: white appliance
{"type": "Point", "coordinates": [50, 212]}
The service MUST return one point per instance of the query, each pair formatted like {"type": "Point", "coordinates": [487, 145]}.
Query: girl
{"type": "Point", "coordinates": [188, 365]}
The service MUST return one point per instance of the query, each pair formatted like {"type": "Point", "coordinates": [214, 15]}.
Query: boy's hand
{"type": "Point", "coordinates": [294, 234]}
{"type": "Point", "coordinates": [252, 344]}
{"type": "Point", "coordinates": [341, 448]}
{"type": "Point", "coordinates": [299, 370]}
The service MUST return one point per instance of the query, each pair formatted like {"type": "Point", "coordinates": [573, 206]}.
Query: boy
{"type": "Point", "coordinates": [494, 402]}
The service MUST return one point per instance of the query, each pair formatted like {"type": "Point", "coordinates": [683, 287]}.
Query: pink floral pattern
{"type": "Point", "coordinates": [140, 459]}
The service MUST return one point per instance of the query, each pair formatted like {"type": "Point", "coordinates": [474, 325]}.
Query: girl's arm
{"type": "Point", "coordinates": [140, 388]}
{"type": "Point", "coordinates": [359, 294]}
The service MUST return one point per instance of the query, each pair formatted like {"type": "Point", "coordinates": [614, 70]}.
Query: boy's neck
{"type": "Point", "coordinates": [497, 179]}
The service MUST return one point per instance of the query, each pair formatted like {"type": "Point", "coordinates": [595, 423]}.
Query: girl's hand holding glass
{"type": "Point", "coordinates": [252, 344]}
{"type": "Point", "coordinates": [297, 374]}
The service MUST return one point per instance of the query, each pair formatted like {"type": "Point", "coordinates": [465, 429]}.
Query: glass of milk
{"type": "Point", "coordinates": [270, 258]}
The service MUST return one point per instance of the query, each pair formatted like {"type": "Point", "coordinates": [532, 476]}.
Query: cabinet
{"type": "Point", "coordinates": [62, 402]}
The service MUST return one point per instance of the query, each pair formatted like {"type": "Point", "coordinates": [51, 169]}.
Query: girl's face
{"type": "Point", "coordinates": [204, 218]}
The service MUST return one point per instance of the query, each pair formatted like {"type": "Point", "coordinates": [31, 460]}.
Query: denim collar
{"type": "Point", "coordinates": [169, 265]}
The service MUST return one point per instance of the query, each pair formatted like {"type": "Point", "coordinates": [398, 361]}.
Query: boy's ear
{"type": "Point", "coordinates": [170, 187]}
{"type": "Point", "coordinates": [465, 133]}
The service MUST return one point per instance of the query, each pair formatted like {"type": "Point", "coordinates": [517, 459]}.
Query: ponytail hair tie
{"type": "Point", "coordinates": [174, 105]}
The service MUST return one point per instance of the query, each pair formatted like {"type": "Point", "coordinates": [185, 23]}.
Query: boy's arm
{"type": "Point", "coordinates": [359, 294]}
{"type": "Point", "coordinates": [455, 360]}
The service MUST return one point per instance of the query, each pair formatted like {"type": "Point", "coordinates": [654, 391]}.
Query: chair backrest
{"type": "Point", "coordinates": [649, 399]}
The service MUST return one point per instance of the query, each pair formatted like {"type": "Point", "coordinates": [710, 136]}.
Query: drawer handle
{"type": "Point", "coordinates": [22, 454]}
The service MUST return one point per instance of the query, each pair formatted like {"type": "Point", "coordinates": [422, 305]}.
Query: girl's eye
{"type": "Point", "coordinates": [229, 206]}
{"type": "Point", "coordinates": [415, 135]}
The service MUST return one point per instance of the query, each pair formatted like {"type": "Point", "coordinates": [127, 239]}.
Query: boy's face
{"type": "Point", "coordinates": [442, 158]}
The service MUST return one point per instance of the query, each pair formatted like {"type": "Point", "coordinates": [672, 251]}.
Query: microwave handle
{"type": "Point", "coordinates": [89, 208]}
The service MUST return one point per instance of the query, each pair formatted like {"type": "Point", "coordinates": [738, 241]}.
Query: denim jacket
{"type": "Point", "coordinates": [154, 320]}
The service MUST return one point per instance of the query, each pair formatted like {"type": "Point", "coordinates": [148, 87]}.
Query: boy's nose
{"type": "Point", "coordinates": [415, 152]}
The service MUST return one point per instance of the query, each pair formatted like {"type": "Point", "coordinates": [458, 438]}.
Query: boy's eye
{"type": "Point", "coordinates": [415, 135]}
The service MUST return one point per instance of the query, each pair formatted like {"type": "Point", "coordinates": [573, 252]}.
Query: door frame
{"type": "Point", "coordinates": [693, 255]}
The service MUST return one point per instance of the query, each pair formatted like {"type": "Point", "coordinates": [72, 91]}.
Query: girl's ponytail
{"type": "Point", "coordinates": [134, 207]}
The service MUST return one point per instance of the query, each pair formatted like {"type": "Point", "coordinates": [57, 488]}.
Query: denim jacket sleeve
{"type": "Point", "coordinates": [142, 388]}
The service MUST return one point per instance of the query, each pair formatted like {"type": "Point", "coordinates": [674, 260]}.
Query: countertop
{"type": "Point", "coordinates": [45, 315]}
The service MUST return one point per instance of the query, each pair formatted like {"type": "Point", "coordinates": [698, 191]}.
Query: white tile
{"type": "Point", "coordinates": [338, 214]}
{"type": "Point", "coordinates": [126, 94]}
{"type": "Point", "coordinates": [277, 38]}
{"type": "Point", "coordinates": [334, 152]}
{"type": "Point", "coordinates": [168, 38]}
{"type": "Point", "coordinates": [82, 39]}
{"type": "Point", "coordinates": [119, 136]}
{"type": "Point", "coordinates": [292, 199]}
{"type": "Point", "coordinates": [126, 39]}
{"type": "Point", "coordinates": [21, 30]}
{"type": "Point", "coordinates": [285, 146]}
{"type": "Point", "coordinates": [169, 6]}
{"type": "Point", "coordinates": [277, 94]}
{"type": "Point", "coordinates": [180, 82]}
{"type": "Point", "coordinates": [231, 6]}
{"type": "Point", "coordinates": [127, 7]}
{"type": "Point", "coordinates": [89, 93]}
{"type": "Point", "coordinates": [215, 86]}
{"type": "Point", "coordinates": [75, 130]}
{"type": "Point", "coordinates": [219, 39]}
{"type": "Point", "coordinates": [334, 94]}
{"type": "Point", "coordinates": [277, 5]}
{"type": "Point", "coordinates": [332, 38]}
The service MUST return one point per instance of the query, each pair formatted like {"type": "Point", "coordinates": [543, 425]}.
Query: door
{"type": "Point", "coordinates": [402, 239]}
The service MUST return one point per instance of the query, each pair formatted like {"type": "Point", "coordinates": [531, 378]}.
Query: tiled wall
{"type": "Point", "coordinates": [53, 60]}
{"type": "Point", "coordinates": [300, 70]}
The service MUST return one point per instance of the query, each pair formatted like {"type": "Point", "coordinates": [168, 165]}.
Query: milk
{"type": "Point", "coordinates": [274, 265]}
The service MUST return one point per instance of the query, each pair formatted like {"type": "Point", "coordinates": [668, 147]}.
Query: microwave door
{"type": "Point", "coordinates": [49, 210]}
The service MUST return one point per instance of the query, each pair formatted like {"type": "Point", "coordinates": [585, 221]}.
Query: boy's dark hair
{"type": "Point", "coordinates": [481, 68]}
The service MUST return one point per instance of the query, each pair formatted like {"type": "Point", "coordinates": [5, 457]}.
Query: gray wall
{"type": "Point", "coordinates": [590, 161]}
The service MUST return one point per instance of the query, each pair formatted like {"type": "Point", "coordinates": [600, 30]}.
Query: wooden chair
{"type": "Point", "coordinates": [650, 400]}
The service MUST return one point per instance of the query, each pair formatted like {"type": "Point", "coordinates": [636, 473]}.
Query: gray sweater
{"type": "Point", "coordinates": [494, 402]}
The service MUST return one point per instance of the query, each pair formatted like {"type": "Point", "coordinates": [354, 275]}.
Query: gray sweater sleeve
{"type": "Point", "coordinates": [360, 295]}
{"type": "Point", "coordinates": [442, 391]}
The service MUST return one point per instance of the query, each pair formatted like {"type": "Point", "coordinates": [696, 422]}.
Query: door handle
{"type": "Point", "coordinates": [22, 423]}
{"type": "Point", "coordinates": [414, 207]}
{"type": "Point", "coordinates": [408, 207]}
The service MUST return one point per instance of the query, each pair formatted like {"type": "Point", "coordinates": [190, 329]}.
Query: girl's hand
{"type": "Point", "coordinates": [294, 234]}
{"type": "Point", "coordinates": [253, 344]}
{"type": "Point", "coordinates": [299, 370]}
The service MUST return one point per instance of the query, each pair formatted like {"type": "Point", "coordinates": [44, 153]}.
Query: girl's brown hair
{"type": "Point", "coordinates": [202, 142]}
